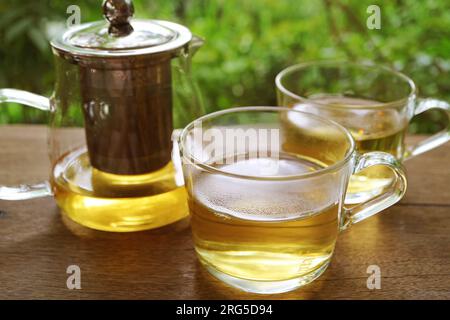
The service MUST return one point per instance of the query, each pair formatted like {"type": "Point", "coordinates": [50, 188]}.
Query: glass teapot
{"type": "Point", "coordinates": [111, 123]}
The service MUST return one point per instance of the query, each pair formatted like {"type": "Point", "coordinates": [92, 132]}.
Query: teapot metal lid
{"type": "Point", "coordinates": [121, 37]}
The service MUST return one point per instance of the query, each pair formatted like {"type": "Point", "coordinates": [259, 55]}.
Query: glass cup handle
{"type": "Point", "coordinates": [395, 192]}
{"type": "Point", "coordinates": [435, 140]}
{"type": "Point", "coordinates": [25, 191]}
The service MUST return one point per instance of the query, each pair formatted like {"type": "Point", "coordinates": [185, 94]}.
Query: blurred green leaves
{"type": "Point", "coordinates": [248, 42]}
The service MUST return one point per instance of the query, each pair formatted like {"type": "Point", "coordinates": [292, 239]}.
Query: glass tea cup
{"type": "Point", "coordinates": [373, 102]}
{"type": "Point", "coordinates": [266, 201]}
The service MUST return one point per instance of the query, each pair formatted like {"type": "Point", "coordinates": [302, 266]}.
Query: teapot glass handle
{"type": "Point", "coordinates": [188, 104]}
{"type": "Point", "coordinates": [25, 191]}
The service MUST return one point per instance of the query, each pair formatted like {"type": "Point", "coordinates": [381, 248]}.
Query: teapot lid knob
{"type": "Point", "coordinates": [118, 13]}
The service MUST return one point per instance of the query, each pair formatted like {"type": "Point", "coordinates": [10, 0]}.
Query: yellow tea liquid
{"type": "Point", "coordinates": [373, 180]}
{"type": "Point", "coordinates": [267, 236]}
{"type": "Point", "coordinates": [373, 130]}
{"type": "Point", "coordinates": [112, 202]}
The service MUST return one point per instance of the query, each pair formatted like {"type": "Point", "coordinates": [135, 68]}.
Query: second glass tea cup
{"type": "Point", "coordinates": [373, 102]}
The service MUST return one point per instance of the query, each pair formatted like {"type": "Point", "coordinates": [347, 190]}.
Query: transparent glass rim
{"type": "Point", "coordinates": [341, 64]}
{"type": "Point", "coordinates": [185, 154]}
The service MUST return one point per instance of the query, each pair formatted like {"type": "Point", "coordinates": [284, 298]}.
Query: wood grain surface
{"type": "Point", "coordinates": [410, 242]}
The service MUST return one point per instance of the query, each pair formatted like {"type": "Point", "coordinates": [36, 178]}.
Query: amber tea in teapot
{"type": "Point", "coordinates": [134, 202]}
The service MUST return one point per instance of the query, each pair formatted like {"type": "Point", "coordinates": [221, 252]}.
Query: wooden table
{"type": "Point", "coordinates": [410, 242]}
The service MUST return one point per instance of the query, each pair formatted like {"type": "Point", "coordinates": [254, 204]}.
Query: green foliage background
{"type": "Point", "coordinates": [247, 43]}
